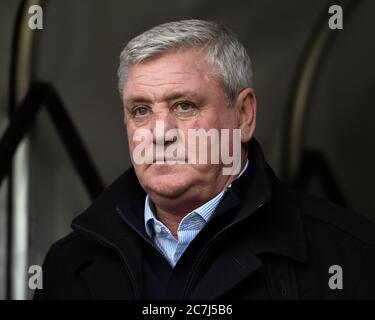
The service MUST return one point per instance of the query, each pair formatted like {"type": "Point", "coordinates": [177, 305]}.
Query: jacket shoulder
{"type": "Point", "coordinates": [72, 253]}
{"type": "Point", "coordinates": [69, 244]}
{"type": "Point", "coordinates": [338, 219]}
{"type": "Point", "coordinates": [63, 264]}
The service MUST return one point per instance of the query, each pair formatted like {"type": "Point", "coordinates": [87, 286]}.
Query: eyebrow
{"type": "Point", "coordinates": [169, 97]}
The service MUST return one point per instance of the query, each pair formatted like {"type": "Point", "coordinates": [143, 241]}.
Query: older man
{"type": "Point", "coordinates": [171, 228]}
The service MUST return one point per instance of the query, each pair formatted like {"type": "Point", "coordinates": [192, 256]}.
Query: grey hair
{"type": "Point", "coordinates": [224, 51]}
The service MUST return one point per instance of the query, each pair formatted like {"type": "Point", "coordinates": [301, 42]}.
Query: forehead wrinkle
{"type": "Point", "coordinates": [158, 84]}
{"type": "Point", "coordinates": [145, 73]}
{"type": "Point", "coordinates": [154, 80]}
{"type": "Point", "coordinates": [155, 76]}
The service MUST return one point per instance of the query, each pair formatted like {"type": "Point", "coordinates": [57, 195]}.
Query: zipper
{"type": "Point", "coordinates": [207, 247]}
{"type": "Point", "coordinates": [143, 237]}
{"type": "Point", "coordinates": [109, 244]}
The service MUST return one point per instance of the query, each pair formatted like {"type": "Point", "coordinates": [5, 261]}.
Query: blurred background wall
{"type": "Point", "coordinates": [77, 52]}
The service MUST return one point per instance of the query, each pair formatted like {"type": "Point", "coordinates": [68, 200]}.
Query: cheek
{"type": "Point", "coordinates": [206, 120]}
{"type": "Point", "coordinates": [132, 144]}
{"type": "Point", "coordinates": [219, 118]}
{"type": "Point", "coordinates": [130, 134]}
{"type": "Point", "coordinates": [229, 119]}
{"type": "Point", "coordinates": [131, 131]}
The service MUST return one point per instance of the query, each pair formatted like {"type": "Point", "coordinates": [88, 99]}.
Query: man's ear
{"type": "Point", "coordinates": [246, 105]}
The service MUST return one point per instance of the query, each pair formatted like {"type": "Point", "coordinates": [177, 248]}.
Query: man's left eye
{"type": "Point", "coordinates": [184, 107]}
{"type": "Point", "coordinates": [185, 110]}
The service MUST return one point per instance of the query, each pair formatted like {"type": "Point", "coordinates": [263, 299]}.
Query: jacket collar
{"type": "Point", "coordinates": [276, 224]}
{"type": "Point", "coordinates": [102, 223]}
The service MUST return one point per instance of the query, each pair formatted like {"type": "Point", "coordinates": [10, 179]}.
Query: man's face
{"type": "Point", "coordinates": [181, 90]}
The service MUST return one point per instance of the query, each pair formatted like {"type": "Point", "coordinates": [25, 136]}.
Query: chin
{"type": "Point", "coordinates": [166, 181]}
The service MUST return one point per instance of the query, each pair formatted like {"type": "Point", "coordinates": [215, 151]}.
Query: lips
{"type": "Point", "coordinates": [169, 160]}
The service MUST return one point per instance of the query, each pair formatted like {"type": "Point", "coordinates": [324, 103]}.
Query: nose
{"type": "Point", "coordinates": [163, 122]}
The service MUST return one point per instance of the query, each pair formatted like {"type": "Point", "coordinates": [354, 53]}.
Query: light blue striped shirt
{"type": "Point", "coordinates": [187, 230]}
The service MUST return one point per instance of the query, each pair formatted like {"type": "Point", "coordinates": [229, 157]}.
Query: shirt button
{"type": "Point", "coordinates": [157, 229]}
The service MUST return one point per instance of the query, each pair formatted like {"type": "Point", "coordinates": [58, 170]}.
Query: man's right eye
{"type": "Point", "coordinates": [140, 111]}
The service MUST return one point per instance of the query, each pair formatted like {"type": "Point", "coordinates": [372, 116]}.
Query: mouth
{"type": "Point", "coordinates": [169, 161]}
